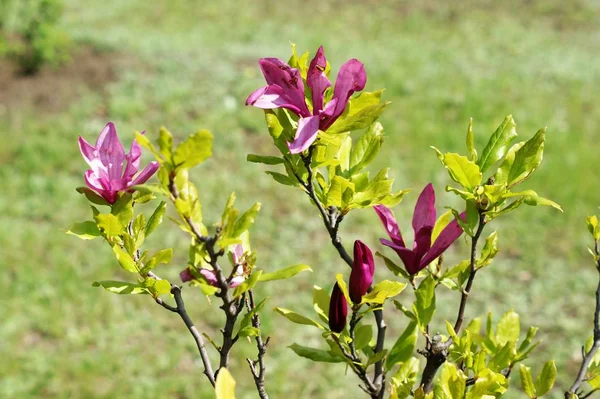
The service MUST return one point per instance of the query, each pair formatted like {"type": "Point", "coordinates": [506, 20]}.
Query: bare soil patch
{"type": "Point", "coordinates": [54, 89]}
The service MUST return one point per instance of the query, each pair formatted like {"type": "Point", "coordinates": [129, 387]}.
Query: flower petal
{"type": "Point", "coordinates": [185, 275]}
{"type": "Point", "coordinates": [147, 173]}
{"type": "Point", "coordinates": [350, 79]}
{"type": "Point", "coordinates": [87, 150]}
{"type": "Point", "coordinates": [209, 276]}
{"type": "Point", "coordinates": [390, 224]}
{"type": "Point", "coordinates": [111, 151]}
{"type": "Point", "coordinates": [278, 73]}
{"type": "Point", "coordinates": [270, 97]}
{"type": "Point", "coordinates": [411, 262]}
{"type": "Point", "coordinates": [133, 160]}
{"type": "Point", "coordinates": [308, 128]}
{"type": "Point", "coordinates": [422, 242]}
{"type": "Point", "coordinates": [425, 214]}
{"type": "Point", "coordinates": [317, 80]}
{"type": "Point", "coordinates": [99, 185]}
{"type": "Point", "coordinates": [363, 269]}
{"type": "Point", "coordinates": [444, 240]}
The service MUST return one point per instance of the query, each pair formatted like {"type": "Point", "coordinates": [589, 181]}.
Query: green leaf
{"type": "Point", "coordinates": [362, 336]}
{"type": "Point", "coordinates": [545, 380]}
{"type": "Point", "coordinates": [382, 291]}
{"type": "Point", "coordinates": [489, 251]}
{"type": "Point", "coordinates": [519, 165]}
{"type": "Point", "coordinates": [366, 148]}
{"type": "Point", "coordinates": [404, 346]}
{"type": "Point", "coordinates": [245, 221]}
{"type": "Point", "coordinates": [162, 256]}
{"type": "Point", "coordinates": [471, 141]}
{"type": "Point", "coordinates": [441, 224]}
{"type": "Point", "coordinates": [393, 267]}
{"type": "Point", "coordinates": [283, 179]}
{"type": "Point", "coordinates": [361, 112]}
{"type": "Point", "coordinates": [592, 225]}
{"type": "Point", "coordinates": [424, 306]}
{"type": "Point", "coordinates": [123, 208]}
{"type": "Point", "coordinates": [145, 142]}
{"type": "Point", "coordinates": [461, 170]}
{"type": "Point", "coordinates": [321, 302]}
{"type": "Point", "coordinates": [109, 224]}
{"type": "Point", "coordinates": [285, 273]}
{"type": "Point", "coordinates": [452, 383]}
{"type": "Point", "coordinates": [196, 149]}
{"type": "Point", "coordinates": [248, 284]}
{"type": "Point", "coordinates": [508, 328]}
{"type": "Point", "coordinates": [125, 260]}
{"type": "Point", "coordinates": [157, 287]}
{"type": "Point", "coordinates": [339, 278]}
{"type": "Point", "coordinates": [377, 357]}
{"type": "Point", "coordinates": [225, 385]}
{"type": "Point", "coordinates": [92, 196]}
{"type": "Point", "coordinates": [156, 218]}
{"type": "Point", "coordinates": [338, 191]}
{"type": "Point", "coordinates": [527, 381]}
{"type": "Point", "coordinates": [498, 144]}
{"type": "Point", "coordinates": [165, 144]}
{"type": "Point", "coordinates": [264, 159]}
{"type": "Point", "coordinates": [316, 355]}
{"type": "Point", "coordinates": [297, 318]}
{"type": "Point", "coordinates": [120, 287]}
{"type": "Point", "coordinates": [85, 230]}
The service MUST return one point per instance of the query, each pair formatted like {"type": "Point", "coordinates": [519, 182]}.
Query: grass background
{"type": "Point", "coordinates": [190, 65]}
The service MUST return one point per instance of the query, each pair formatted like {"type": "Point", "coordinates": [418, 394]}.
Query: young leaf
{"type": "Point", "coordinates": [362, 336]}
{"type": "Point", "coordinates": [120, 287]}
{"type": "Point", "coordinates": [245, 221]}
{"type": "Point", "coordinates": [85, 230]}
{"type": "Point", "coordinates": [508, 328]}
{"type": "Point", "coordinates": [316, 355]}
{"type": "Point", "coordinates": [196, 149]}
{"type": "Point", "coordinates": [225, 385]}
{"type": "Point", "coordinates": [527, 159]}
{"type": "Point", "coordinates": [383, 290]}
{"type": "Point", "coordinates": [264, 159]}
{"type": "Point", "coordinates": [527, 381]}
{"type": "Point", "coordinates": [498, 144]}
{"type": "Point", "coordinates": [297, 318]}
{"type": "Point", "coordinates": [366, 148]}
{"type": "Point", "coordinates": [545, 380]}
{"type": "Point", "coordinates": [125, 260]}
{"type": "Point", "coordinates": [109, 224]}
{"type": "Point", "coordinates": [471, 141]}
{"type": "Point", "coordinates": [284, 273]}
{"type": "Point", "coordinates": [404, 346]}
{"type": "Point", "coordinates": [283, 179]}
{"type": "Point", "coordinates": [461, 170]}
{"type": "Point", "coordinates": [156, 218]}
{"type": "Point", "coordinates": [92, 196]}
{"type": "Point", "coordinates": [424, 306]}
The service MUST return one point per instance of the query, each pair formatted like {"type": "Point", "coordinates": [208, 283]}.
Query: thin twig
{"type": "Point", "coordinates": [259, 375]}
{"type": "Point", "coordinates": [587, 358]}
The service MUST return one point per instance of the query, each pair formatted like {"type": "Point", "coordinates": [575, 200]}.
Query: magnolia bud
{"type": "Point", "coordinates": [338, 310]}
{"type": "Point", "coordinates": [363, 269]}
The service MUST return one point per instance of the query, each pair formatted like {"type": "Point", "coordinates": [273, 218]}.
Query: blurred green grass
{"type": "Point", "coordinates": [190, 65]}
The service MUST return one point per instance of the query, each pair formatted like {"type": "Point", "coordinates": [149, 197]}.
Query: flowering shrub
{"type": "Point", "coordinates": [326, 138]}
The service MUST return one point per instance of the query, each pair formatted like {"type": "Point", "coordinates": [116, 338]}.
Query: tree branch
{"type": "Point", "coordinates": [259, 375]}
{"type": "Point", "coordinates": [587, 357]}
{"type": "Point", "coordinates": [332, 219]}
{"type": "Point", "coordinates": [437, 353]}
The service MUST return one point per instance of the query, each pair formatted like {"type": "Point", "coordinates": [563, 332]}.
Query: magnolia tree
{"type": "Point", "coordinates": [327, 136]}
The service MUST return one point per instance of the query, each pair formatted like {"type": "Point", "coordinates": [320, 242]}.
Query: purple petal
{"type": "Point", "coordinates": [209, 276]}
{"type": "Point", "coordinates": [87, 150]}
{"type": "Point", "coordinates": [111, 151]}
{"type": "Point", "coordinates": [317, 80]}
{"type": "Point", "coordinates": [185, 275]}
{"type": "Point", "coordinates": [390, 224]}
{"type": "Point", "coordinates": [443, 241]}
{"type": "Point", "coordinates": [99, 185]}
{"type": "Point", "coordinates": [408, 257]}
{"type": "Point", "coordinates": [147, 173]}
{"type": "Point", "coordinates": [422, 241]}
{"type": "Point", "coordinates": [425, 214]}
{"type": "Point", "coordinates": [271, 97]}
{"type": "Point", "coordinates": [278, 73]}
{"type": "Point", "coordinates": [133, 160]}
{"type": "Point", "coordinates": [308, 128]}
{"type": "Point", "coordinates": [338, 310]}
{"type": "Point", "coordinates": [350, 79]}
{"type": "Point", "coordinates": [363, 269]}
{"type": "Point", "coordinates": [238, 252]}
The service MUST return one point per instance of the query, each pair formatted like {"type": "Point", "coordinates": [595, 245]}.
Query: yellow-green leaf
{"type": "Point", "coordinates": [225, 385]}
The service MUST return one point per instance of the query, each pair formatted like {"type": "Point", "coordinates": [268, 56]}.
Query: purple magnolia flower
{"type": "Point", "coordinates": [107, 158]}
{"type": "Point", "coordinates": [363, 269]}
{"type": "Point", "coordinates": [424, 217]}
{"type": "Point", "coordinates": [210, 277]}
{"type": "Point", "coordinates": [285, 89]}
{"type": "Point", "coordinates": [338, 310]}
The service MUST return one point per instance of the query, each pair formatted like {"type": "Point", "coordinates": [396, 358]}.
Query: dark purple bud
{"type": "Point", "coordinates": [338, 310]}
{"type": "Point", "coordinates": [363, 269]}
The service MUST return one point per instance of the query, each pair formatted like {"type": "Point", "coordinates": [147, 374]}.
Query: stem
{"type": "Point", "coordinates": [180, 310]}
{"type": "Point", "coordinates": [259, 375]}
{"type": "Point", "coordinates": [358, 369]}
{"type": "Point", "coordinates": [438, 352]}
{"type": "Point", "coordinates": [332, 219]}
{"type": "Point", "coordinates": [587, 358]}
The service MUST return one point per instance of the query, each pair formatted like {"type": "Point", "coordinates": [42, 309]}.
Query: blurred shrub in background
{"type": "Point", "coordinates": [30, 34]}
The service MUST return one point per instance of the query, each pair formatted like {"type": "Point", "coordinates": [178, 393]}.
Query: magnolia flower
{"type": "Point", "coordinates": [363, 269]}
{"type": "Point", "coordinates": [285, 89]}
{"type": "Point", "coordinates": [210, 277]}
{"type": "Point", "coordinates": [107, 158]}
{"type": "Point", "coordinates": [423, 251]}
{"type": "Point", "coordinates": [338, 310]}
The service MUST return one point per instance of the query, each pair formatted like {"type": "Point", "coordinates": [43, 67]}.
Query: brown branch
{"type": "Point", "coordinates": [587, 357]}
{"type": "Point", "coordinates": [259, 375]}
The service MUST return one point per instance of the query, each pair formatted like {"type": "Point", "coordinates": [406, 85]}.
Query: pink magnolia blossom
{"type": "Point", "coordinates": [285, 89]}
{"type": "Point", "coordinates": [210, 277]}
{"type": "Point", "coordinates": [362, 273]}
{"type": "Point", "coordinates": [423, 251]}
{"type": "Point", "coordinates": [338, 310]}
{"type": "Point", "coordinates": [109, 175]}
